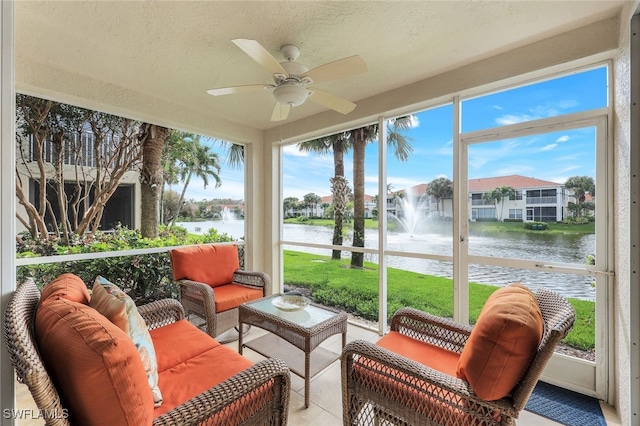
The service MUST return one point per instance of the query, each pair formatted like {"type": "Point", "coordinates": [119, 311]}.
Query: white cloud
{"type": "Point", "coordinates": [562, 139]}
{"type": "Point", "coordinates": [399, 183]}
{"type": "Point", "coordinates": [549, 147]}
{"type": "Point", "coordinates": [293, 150]}
{"type": "Point", "coordinates": [537, 112]}
{"type": "Point", "coordinates": [513, 119]}
{"type": "Point", "coordinates": [515, 169]}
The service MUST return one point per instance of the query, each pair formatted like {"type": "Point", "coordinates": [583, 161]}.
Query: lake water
{"type": "Point", "coordinates": [541, 247]}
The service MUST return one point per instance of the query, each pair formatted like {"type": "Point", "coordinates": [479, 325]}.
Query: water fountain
{"type": "Point", "coordinates": [227, 215]}
{"type": "Point", "coordinates": [413, 213]}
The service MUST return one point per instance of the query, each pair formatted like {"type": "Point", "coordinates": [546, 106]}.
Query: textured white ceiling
{"type": "Point", "coordinates": [159, 57]}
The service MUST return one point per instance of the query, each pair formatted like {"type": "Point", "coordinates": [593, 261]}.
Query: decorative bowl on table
{"type": "Point", "coordinates": [290, 302]}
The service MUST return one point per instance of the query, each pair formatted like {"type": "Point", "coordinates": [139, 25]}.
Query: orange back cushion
{"type": "Point", "coordinates": [502, 343]}
{"type": "Point", "coordinates": [94, 365]}
{"type": "Point", "coordinates": [66, 286]}
{"type": "Point", "coordinates": [212, 264]}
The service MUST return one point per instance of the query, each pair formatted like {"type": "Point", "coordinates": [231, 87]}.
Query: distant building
{"type": "Point", "coordinates": [319, 209]}
{"type": "Point", "coordinates": [534, 200]}
{"type": "Point", "coordinates": [123, 208]}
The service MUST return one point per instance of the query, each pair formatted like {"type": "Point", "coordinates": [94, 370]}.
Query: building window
{"type": "Point", "coordinates": [517, 195]}
{"type": "Point", "coordinates": [483, 214]}
{"type": "Point", "coordinates": [515, 214]}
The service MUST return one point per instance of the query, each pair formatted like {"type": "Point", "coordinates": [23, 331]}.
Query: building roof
{"type": "Point", "coordinates": [514, 181]}
{"type": "Point", "coordinates": [329, 199]}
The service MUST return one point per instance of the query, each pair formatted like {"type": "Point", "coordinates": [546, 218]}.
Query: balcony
{"type": "Point", "coordinates": [542, 200]}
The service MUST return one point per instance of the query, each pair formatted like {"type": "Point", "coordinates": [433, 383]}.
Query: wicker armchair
{"type": "Point", "coordinates": [383, 387]}
{"type": "Point", "coordinates": [217, 406]}
{"type": "Point", "coordinates": [198, 297]}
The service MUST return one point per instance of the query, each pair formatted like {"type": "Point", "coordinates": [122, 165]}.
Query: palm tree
{"type": "Point", "coordinates": [493, 197]}
{"type": "Point", "coordinates": [440, 189]}
{"type": "Point", "coordinates": [580, 186]}
{"type": "Point", "coordinates": [176, 147]}
{"type": "Point", "coordinates": [498, 195]}
{"type": "Point", "coordinates": [201, 162]}
{"type": "Point", "coordinates": [337, 144]}
{"type": "Point", "coordinates": [312, 200]}
{"type": "Point", "coordinates": [506, 192]}
{"type": "Point", "coordinates": [288, 203]}
{"type": "Point", "coordinates": [235, 153]}
{"type": "Point", "coordinates": [152, 139]}
{"type": "Point", "coordinates": [360, 137]}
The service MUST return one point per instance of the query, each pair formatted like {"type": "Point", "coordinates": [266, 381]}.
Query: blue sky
{"type": "Point", "coordinates": [553, 156]}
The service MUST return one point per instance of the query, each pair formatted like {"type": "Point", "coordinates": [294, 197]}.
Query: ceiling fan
{"type": "Point", "coordinates": [291, 79]}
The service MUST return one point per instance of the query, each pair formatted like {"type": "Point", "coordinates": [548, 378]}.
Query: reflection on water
{"type": "Point", "coordinates": [541, 247]}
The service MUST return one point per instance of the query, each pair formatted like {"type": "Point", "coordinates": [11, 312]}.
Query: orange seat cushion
{"type": "Point", "coordinates": [94, 365]}
{"type": "Point", "coordinates": [212, 264]}
{"type": "Point", "coordinates": [191, 362]}
{"type": "Point", "coordinates": [423, 397]}
{"type": "Point", "coordinates": [178, 342]}
{"type": "Point", "coordinates": [435, 357]}
{"type": "Point", "coordinates": [502, 343]}
{"type": "Point", "coordinates": [231, 296]}
{"type": "Point", "coordinates": [195, 375]}
{"type": "Point", "coordinates": [66, 286]}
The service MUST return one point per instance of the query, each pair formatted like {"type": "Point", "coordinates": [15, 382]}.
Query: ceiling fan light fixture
{"type": "Point", "coordinates": [290, 94]}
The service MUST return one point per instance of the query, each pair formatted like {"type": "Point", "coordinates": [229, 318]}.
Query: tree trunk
{"type": "Point", "coordinates": [152, 138]}
{"type": "Point", "coordinates": [338, 164]}
{"type": "Point", "coordinates": [357, 259]}
{"type": "Point", "coordinates": [181, 199]}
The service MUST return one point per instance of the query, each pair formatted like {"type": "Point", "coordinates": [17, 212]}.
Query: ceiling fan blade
{"type": "Point", "coordinates": [337, 69]}
{"type": "Point", "coordinates": [329, 100]}
{"type": "Point", "coordinates": [237, 89]}
{"type": "Point", "coordinates": [280, 112]}
{"type": "Point", "coordinates": [260, 55]}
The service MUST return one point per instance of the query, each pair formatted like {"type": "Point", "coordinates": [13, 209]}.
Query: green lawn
{"type": "Point", "coordinates": [333, 283]}
{"type": "Point", "coordinates": [474, 227]}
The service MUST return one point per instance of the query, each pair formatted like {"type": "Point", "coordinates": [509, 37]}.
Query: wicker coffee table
{"type": "Point", "coordinates": [292, 332]}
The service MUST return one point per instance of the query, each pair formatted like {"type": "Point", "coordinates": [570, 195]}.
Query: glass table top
{"type": "Point", "coordinates": [308, 317]}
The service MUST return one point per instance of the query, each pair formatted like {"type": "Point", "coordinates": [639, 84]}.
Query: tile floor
{"type": "Point", "coordinates": [326, 405]}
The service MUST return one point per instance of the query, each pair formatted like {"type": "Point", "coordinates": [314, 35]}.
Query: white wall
{"type": "Point", "coordinates": [621, 370]}
{"type": "Point", "coordinates": [7, 195]}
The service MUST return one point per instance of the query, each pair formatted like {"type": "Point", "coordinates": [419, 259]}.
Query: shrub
{"type": "Point", "coordinates": [581, 220]}
{"type": "Point", "coordinates": [146, 277]}
{"type": "Point", "coordinates": [536, 226]}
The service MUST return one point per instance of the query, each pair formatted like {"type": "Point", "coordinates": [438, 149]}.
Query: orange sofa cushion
{"type": "Point", "coordinates": [178, 342]}
{"type": "Point", "coordinates": [502, 343]}
{"type": "Point", "coordinates": [190, 362]}
{"type": "Point", "coordinates": [231, 296]}
{"type": "Point", "coordinates": [66, 286]}
{"type": "Point", "coordinates": [94, 365]}
{"type": "Point", "coordinates": [212, 264]}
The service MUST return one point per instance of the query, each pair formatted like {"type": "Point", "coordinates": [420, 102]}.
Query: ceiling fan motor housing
{"type": "Point", "coordinates": [291, 93]}
{"type": "Point", "coordinates": [291, 90]}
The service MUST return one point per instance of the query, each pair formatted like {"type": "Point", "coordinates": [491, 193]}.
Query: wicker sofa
{"type": "Point", "coordinates": [202, 382]}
